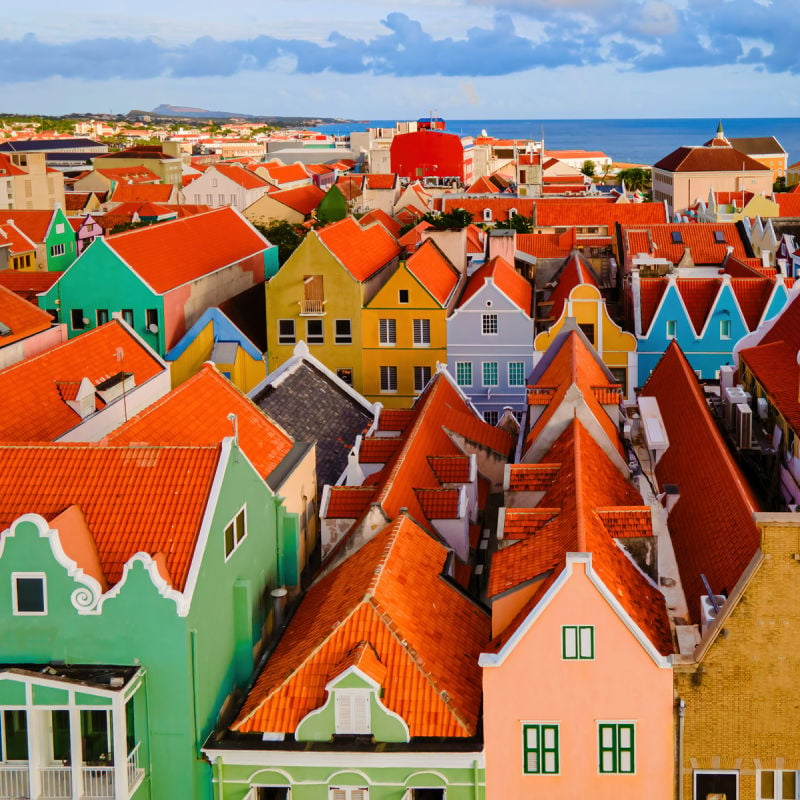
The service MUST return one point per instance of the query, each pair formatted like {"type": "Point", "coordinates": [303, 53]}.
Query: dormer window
{"type": "Point", "coordinates": [487, 214]}
{"type": "Point", "coordinates": [677, 238]}
{"type": "Point", "coordinates": [352, 711]}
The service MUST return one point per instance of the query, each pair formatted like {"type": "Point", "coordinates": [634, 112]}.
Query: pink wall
{"type": "Point", "coordinates": [622, 684]}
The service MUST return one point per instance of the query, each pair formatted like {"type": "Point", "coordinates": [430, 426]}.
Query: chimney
{"type": "Point", "coordinates": [502, 243]}
{"type": "Point", "coordinates": [279, 606]}
{"type": "Point", "coordinates": [670, 496]}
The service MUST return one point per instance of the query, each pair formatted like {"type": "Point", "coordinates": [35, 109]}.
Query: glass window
{"type": "Point", "coordinates": [725, 329]}
{"type": "Point", "coordinates": [387, 331]}
{"type": "Point", "coordinates": [540, 749]}
{"type": "Point", "coordinates": [490, 376]}
{"type": "Point", "coordinates": [777, 784]}
{"type": "Point", "coordinates": [464, 373]}
{"type": "Point", "coordinates": [388, 379]}
{"type": "Point", "coordinates": [490, 417]}
{"type": "Point", "coordinates": [422, 331]}
{"type": "Point", "coordinates": [30, 594]}
{"type": "Point", "coordinates": [76, 317]}
{"type": "Point", "coordinates": [421, 377]}
{"type": "Point", "coordinates": [235, 531]}
{"type": "Point", "coordinates": [151, 319]}
{"type": "Point", "coordinates": [402, 296]}
{"type": "Point", "coordinates": [61, 738]}
{"type": "Point", "coordinates": [314, 332]}
{"type": "Point", "coordinates": [345, 374]}
{"type": "Point", "coordinates": [577, 641]}
{"type": "Point", "coordinates": [615, 744]}
{"type": "Point", "coordinates": [672, 328]}
{"type": "Point", "coordinates": [286, 331]}
{"type": "Point", "coordinates": [102, 316]}
{"type": "Point", "coordinates": [96, 737]}
{"type": "Point", "coordinates": [516, 373]}
{"type": "Point", "coordinates": [127, 316]}
{"type": "Point", "coordinates": [14, 736]}
{"type": "Point", "coordinates": [488, 323]}
{"type": "Point", "coordinates": [343, 331]}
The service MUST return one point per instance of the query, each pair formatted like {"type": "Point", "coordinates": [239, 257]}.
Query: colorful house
{"type": "Point", "coordinates": [25, 330]}
{"type": "Point", "coordinates": [227, 185]}
{"type": "Point", "coordinates": [404, 327]}
{"type": "Point", "coordinates": [132, 615]}
{"type": "Point", "coordinates": [318, 293]}
{"type": "Point", "coordinates": [50, 231]}
{"type": "Point", "coordinates": [490, 339]}
{"type": "Point", "coordinates": [577, 295]}
{"type": "Point", "coordinates": [291, 205]}
{"type": "Point", "coordinates": [373, 691]}
{"type": "Point", "coordinates": [160, 279]}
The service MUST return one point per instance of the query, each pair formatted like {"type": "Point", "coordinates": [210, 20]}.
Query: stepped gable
{"type": "Point", "coordinates": [427, 640]}
{"type": "Point", "coordinates": [134, 498]}
{"type": "Point", "coordinates": [196, 412]}
{"type": "Point", "coordinates": [711, 525]}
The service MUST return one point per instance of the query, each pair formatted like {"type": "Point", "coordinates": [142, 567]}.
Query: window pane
{"type": "Point", "coordinates": [464, 373]}
{"type": "Point", "coordinates": [788, 785]}
{"type": "Point", "coordinates": [570, 641]}
{"type": "Point", "coordinates": [16, 731]}
{"type": "Point", "coordinates": [767, 785]}
{"type": "Point", "coordinates": [240, 530]}
{"type": "Point", "coordinates": [285, 331]}
{"type": "Point", "coordinates": [61, 741]}
{"type": "Point", "coordinates": [516, 373]}
{"type": "Point", "coordinates": [490, 373]}
{"type": "Point", "coordinates": [30, 595]}
{"type": "Point", "coordinates": [229, 543]}
{"type": "Point", "coordinates": [587, 641]}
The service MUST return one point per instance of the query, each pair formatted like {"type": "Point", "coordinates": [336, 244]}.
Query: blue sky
{"type": "Point", "coordinates": [381, 59]}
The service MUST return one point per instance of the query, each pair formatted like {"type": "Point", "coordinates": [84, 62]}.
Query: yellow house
{"type": "Point", "coordinates": [577, 295]}
{"type": "Point", "coordinates": [290, 205]}
{"type": "Point", "coordinates": [405, 327]}
{"type": "Point", "coordinates": [318, 294]}
{"type": "Point", "coordinates": [734, 206]}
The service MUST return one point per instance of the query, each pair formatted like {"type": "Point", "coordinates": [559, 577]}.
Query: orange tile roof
{"type": "Point", "coordinates": [596, 213]}
{"type": "Point", "coordinates": [752, 294]}
{"type": "Point", "coordinates": [544, 245]}
{"type": "Point", "coordinates": [362, 252]}
{"type": "Point", "coordinates": [474, 239]}
{"type": "Point", "coordinates": [135, 499]}
{"type": "Point", "coordinates": [28, 283]}
{"type": "Point", "coordinates": [499, 206]}
{"type": "Point", "coordinates": [522, 523]}
{"type": "Point", "coordinates": [22, 318]}
{"type": "Point", "coordinates": [285, 174]}
{"type": "Point", "coordinates": [506, 279]}
{"type": "Point", "coordinates": [531, 477]}
{"type": "Point", "coordinates": [451, 469]}
{"type": "Point", "coordinates": [428, 640]}
{"type": "Point", "coordinates": [651, 292]}
{"type": "Point", "coordinates": [788, 203]}
{"type": "Point", "coordinates": [412, 238]}
{"type": "Point", "coordinates": [177, 252]}
{"type": "Point", "coordinates": [241, 176]}
{"type": "Point", "coordinates": [376, 180]}
{"type": "Point", "coordinates": [483, 186]}
{"type": "Point", "coordinates": [574, 272]}
{"type": "Point", "coordinates": [698, 296]}
{"type": "Point", "coordinates": [303, 199]}
{"type": "Point", "coordinates": [439, 503]}
{"type": "Point", "coordinates": [142, 192]}
{"type": "Point", "coordinates": [396, 419]}
{"type": "Point", "coordinates": [698, 237]}
{"type": "Point", "coordinates": [34, 224]}
{"type": "Point", "coordinates": [196, 412]}
{"type": "Point", "coordinates": [33, 410]}
{"type": "Point", "coordinates": [378, 449]}
{"type": "Point", "coordinates": [429, 265]}
{"type": "Point", "coordinates": [17, 242]}
{"type": "Point", "coordinates": [711, 525]}
{"type": "Point", "coordinates": [708, 159]}
{"type": "Point", "coordinates": [379, 215]}
{"type": "Point", "coordinates": [136, 174]}
{"type": "Point", "coordinates": [348, 502]}
{"type": "Point", "coordinates": [625, 522]}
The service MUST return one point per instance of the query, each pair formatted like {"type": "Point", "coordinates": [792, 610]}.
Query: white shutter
{"type": "Point", "coordinates": [570, 635]}
{"type": "Point", "coordinates": [344, 713]}
{"type": "Point", "coordinates": [360, 709]}
{"type": "Point", "coordinates": [587, 647]}
{"type": "Point", "coordinates": [338, 794]}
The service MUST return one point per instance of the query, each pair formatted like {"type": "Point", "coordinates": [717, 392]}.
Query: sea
{"type": "Point", "coordinates": [637, 141]}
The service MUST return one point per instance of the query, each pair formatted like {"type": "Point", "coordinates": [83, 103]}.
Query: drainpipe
{"type": "Point", "coordinates": [193, 645]}
{"type": "Point", "coordinates": [476, 792]}
{"type": "Point", "coordinates": [219, 792]}
{"type": "Point", "coordinates": [679, 765]}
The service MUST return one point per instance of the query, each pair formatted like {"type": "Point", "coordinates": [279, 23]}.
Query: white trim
{"type": "Point", "coordinates": [14, 593]}
{"type": "Point", "coordinates": [236, 542]}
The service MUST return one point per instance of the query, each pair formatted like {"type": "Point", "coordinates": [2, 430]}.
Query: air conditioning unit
{"type": "Point", "coordinates": [744, 426]}
{"type": "Point", "coordinates": [707, 612]}
{"type": "Point", "coordinates": [731, 397]}
{"type": "Point", "coordinates": [761, 406]}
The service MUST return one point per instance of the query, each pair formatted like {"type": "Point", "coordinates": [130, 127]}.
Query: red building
{"type": "Point", "coordinates": [432, 154]}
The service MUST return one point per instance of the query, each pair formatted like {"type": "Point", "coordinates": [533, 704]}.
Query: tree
{"type": "Point", "coordinates": [519, 223]}
{"type": "Point", "coordinates": [588, 168]}
{"type": "Point", "coordinates": [635, 179]}
{"type": "Point", "coordinates": [456, 219]}
{"type": "Point", "coordinates": [283, 234]}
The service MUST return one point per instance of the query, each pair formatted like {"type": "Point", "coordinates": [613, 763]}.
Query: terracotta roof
{"type": "Point", "coordinates": [20, 317]}
{"type": "Point", "coordinates": [499, 206]}
{"type": "Point", "coordinates": [705, 246]}
{"type": "Point", "coordinates": [303, 199]}
{"type": "Point", "coordinates": [348, 502]}
{"type": "Point", "coordinates": [378, 449]}
{"type": "Point", "coordinates": [174, 253]}
{"type": "Point", "coordinates": [522, 523]}
{"type": "Point", "coordinates": [708, 159]}
{"type": "Point", "coordinates": [711, 525]}
{"type": "Point", "coordinates": [196, 412]}
{"type": "Point", "coordinates": [546, 245]}
{"type": "Point", "coordinates": [278, 173]}
{"type": "Point", "coordinates": [395, 419]}
{"type": "Point", "coordinates": [483, 186]}
{"type": "Point", "coordinates": [651, 292]}
{"type": "Point", "coordinates": [376, 180]}
{"type": "Point", "coordinates": [142, 192]}
{"type": "Point", "coordinates": [18, 243]}
{"type": "Point", "coordinates": [412, 238]}
{"type": "Point", "coordinates": [28, 283]}
{"type": "Point", "coordinates": [752, 294]}
{"type": "Point", "coordinates": [439, 503]}
{"type": "Point", "coordinates": [574, 272]}
{"type": "Point", "coordinates": [698, 296]}
{"type": "Point", "coordinates": [34, 224]}
{"type": "Point", "coordinates": [531, 477]}
{"type": "Point", "coordinates": [362, 252]}
{"type": "Point", "coordinates": [626, 522]}
{"type": "Point", "coordinates": [596, 212]}
{"type": "Point", "coordinates": [434, 271]}
{"type": "Point", "coordinates": [451, 469]}
{"type": "Point", "coordinates": [123, 175]}
{"type": "Point", "coordinates": [241, 176]}
{"type": "Point", "coordinates": [506, 278]}
{"type": "Point", "coordinates": [379, 215]}
{"type": "Point", "coordinates": [428, 640]}
{"type": "Point", "coordinates": [474, 239]}
{"type": "Point", "coordinates": [135, 499]}
{"type": "Point", "coordinates": [788, 203]}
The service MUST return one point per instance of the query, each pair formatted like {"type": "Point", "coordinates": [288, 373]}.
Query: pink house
{"type": "Point", "coordinates": [578, 698]}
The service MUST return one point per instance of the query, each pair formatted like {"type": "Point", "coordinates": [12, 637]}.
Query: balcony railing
{"type": "Point", "coordinates": [14, 781]}
{"type": "Point", "coordinates": [312, 306]}
{"type": "Point", "coordinates": [135, 772]}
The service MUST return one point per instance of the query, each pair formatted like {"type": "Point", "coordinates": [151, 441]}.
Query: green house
{"type": "Point", "coordinates": [50, 231]}
{"type": "Point", "coordinates": [135, 583]}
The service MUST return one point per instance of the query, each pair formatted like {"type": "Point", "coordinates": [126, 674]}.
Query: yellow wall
{"type": "Point", "coordinates": [404, 354]}
{"type": "Point", "coordinates": [265, 209]}
{"type": "Point", "coordinates": [343, 297]}
{"type": "Point", "coordinates": [741, 699]}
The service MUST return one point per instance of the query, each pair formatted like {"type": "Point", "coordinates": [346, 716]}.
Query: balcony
{"type": "Point", "coordinates": [312, 308]}
{"type": "Point", "coordinates": [65, 783]}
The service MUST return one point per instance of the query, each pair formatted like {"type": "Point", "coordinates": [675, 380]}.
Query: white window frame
{"type": "Point", "coordinates": [577, 642]}
{"type": "Point", "coordinates": [15, 576]}
{"type": "Point", "coordinates": [489, 321]}
{"type": "Point", "coordinates": [419, 385]}
{"type": "Point", "coordinates": [58, 249]}
{"type": "Point", "coordinates": [387, 332]}
{"type": "Point", "coordinates": [778, 787]}
{"type": "Point", "coordinates": [348, 793]}
{"type": "Point", "coordinates": [723, 323]}
{"type": "Point", "coordinates": [491, 417]}
{"type": "Point", "coordinates": [467, 364]}
{"type": "Point", "coordinates": [521, 365]}
{"type": "Point", "coordinates": [356, 704]}
{"type": "Point", "coordinates": [485, 364]}
{"type": "Point", "coordinates": [237, 540]}
{"type": "Point", "coordinates": [422, 332]}
{"type": "Point", "coordinates": [487, 214]}
{"type": "Point", "coordinates": [391, 378]}
{"type": "Point", "coordinates": [318, 338]}
{"type": "Point", "coordinates": [341, 338]}
{"type": "Point", "coordinates": [672, 328]}
{"type": "Point", "coordinates": [715, 772]}
{"type": "Point", "coordinates": [283, 338]}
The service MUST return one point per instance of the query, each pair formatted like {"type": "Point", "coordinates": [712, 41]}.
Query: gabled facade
{"type": "Point", "coordinates": [291, 205]}
{"type": "Point", "coordinates": [227, 185]}
{"type": "Point", "coordinates": [25, 330]}
{"type": "Point", "coordinates": [28, 182]}
{"type": "Point", "coordinates": [405, 327]}
{"type": "Point", "coordinates": [318, 293]}
{"type": "Point", "coordinates": [160, 279]}
{"type": "Point", "coordinates": [490, 339]}
{"type": "Point", "coordinates": [50, 231]}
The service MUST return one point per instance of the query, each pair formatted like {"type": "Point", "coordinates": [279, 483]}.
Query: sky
{"type": "Point", "coordinates": [385, 59]}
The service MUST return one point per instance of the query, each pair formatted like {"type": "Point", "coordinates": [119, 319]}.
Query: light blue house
{"type": "Point", "coordinates": [490, 339]}
{"type": "Point", "coordinates": [707, 316]}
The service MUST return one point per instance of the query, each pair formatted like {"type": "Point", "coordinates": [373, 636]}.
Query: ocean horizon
{"type": "Point", "coordinates": [639, 141]}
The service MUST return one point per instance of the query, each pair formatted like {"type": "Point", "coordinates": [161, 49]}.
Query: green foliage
{"type": "Point", "coordinates": [130, 226]}
{"type": "Point", "coordinates": [332, 207]}
{"type": "Point", "coordinates": [588, 168]}
{"type": "Point", "coordinates": [635, 179]}
{"type": "Point", "coordinates": [456, 219]}
{"type": "Point", "coordinates": [779, 185]}
{"type": "Point", "coordinates": [519, 223]}
{"type": "Point", "coordinates": [283, 234]}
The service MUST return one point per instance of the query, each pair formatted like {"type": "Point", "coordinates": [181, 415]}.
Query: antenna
{"type": "Point", "coordinates": [234, 420]}
{"type": "Point", "coordinates": [710, 594]}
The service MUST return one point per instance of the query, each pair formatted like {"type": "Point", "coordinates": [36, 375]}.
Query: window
{"type": "Point", "coordinates": [57, 250]}
{"type": "Point", "coordinates": [30, 593]}
{"type": "Point", "coordinates": [464, 373]}
{"type": "Point", "coordinates": [14, 736]}
{"type": "Point", "coordinates": [210, 199]}
{"type": "Point", "coordinates": [235, 531]}
{"type": "Point", "coordinates": [487, 214]}
{"type": "Point", "coordinates": [313, 295]}
{"type": "Point", "coordinates": [343, 333]}
{"type": "Point", "coordinates": [588, 330]}
{"type": "Point", "coordinates": [516, 373]}
{"type": "Point", "coordinates": [540, 749]}
{"type": "Point", "coordinates": [314, 331]}
{"type": "Point", "coordinates": [286, 331]}
{"type": "Point", "coordinates": [489, 373]}
{"type": "Point", "coordinates": [76, 317]}
{"type": "Point", "coordinates": [387, 331]}
{"type": "Point", "coordinates": [722, 784]}
{"type": "Point", "coordinates": [127, 316]}
{"type": "Point", "coordinates": [345, 374]}
{"type": "Point", "coordinates": [151, 319]}
{"type": "Point", "coordinates": [222, 199]}
{"type": "Point", "coordinates": [577, 642]}
{"type": "Point", "coordinates": [402, 296]}
{"type": "Point", "coordinates": [777, 784]}
{"type": "Point", "coordinates": [352, 711]}
{"type": "Point", "coordinates": [422, 331]}
{"type": "Point", "coordinates": [719, 238]}
{"type": "Point", "coordinates": [488, 324]}
{"type": "Point", "coordinates": [388, 379]}
{"type": "Point", "coordinates": [724, 329]}
{"type": "Point", "coordinates": [59, 227]}
{"type": "Point", "coordinates": [96, 737]}
{"type": "Point", "coordinates": [615, 747]}
{"type": "Point", "coordinates": [348, 793]}
{"type": "Point", "coordinates": [676, 237]}
{"type": "Point", "coordinates": [490, 417]}
{"type": "Point", "coordinates": [421, 377]}
{"type": "Point", "coordinates": [59, 721]}
{"type": "Point", "coordinates": [672, 327]}
{"type": "Point", "coordinates": [272, 793]}
{"type": "Point", "coordinates": [102, 316]}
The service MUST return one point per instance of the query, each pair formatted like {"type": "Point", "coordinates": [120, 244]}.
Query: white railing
{"type": "Point", "coordinates": [14, 781]}
{"type": "Point", "coordinates": [56, 782]}
{"type": "Point", "coordinates": [98, 782]}
{"type": "Point", "coordinates": [135, 772]}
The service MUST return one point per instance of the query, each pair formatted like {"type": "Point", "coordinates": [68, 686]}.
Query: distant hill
{"type": "Point", "coordinates": [169, 112]}
{"type": "Point", "coordinates": [166, 110]}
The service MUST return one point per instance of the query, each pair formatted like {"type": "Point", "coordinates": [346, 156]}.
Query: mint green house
{"type": "Point", "coordinates": [135, 587]}
{"type": "Point", "coordinates": [372, 692]}
{"type": "Point", "coordinates": [160, 279]}
{"type": "Point", "coordinates": [51, 233]}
